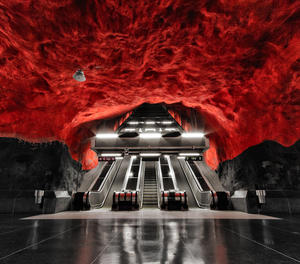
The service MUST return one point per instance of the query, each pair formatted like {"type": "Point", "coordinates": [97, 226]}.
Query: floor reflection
{"type": "Point", "coordinates": [150, 241]}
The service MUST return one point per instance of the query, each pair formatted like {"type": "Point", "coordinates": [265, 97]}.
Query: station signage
{"type": "Point", "coordinates": [198, 158]}
{"type": "Point", "coordinates": [106, 158]}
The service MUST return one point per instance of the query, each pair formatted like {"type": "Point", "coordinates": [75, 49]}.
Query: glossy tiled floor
{"type": "Point", "coordinates": [166, 237]}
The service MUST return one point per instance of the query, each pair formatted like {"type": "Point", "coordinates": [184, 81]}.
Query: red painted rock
{"type": "Point", "coordinates": [236, 62]}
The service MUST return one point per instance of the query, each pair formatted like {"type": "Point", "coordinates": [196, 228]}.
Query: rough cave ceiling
{"type": "Point", "coordinates": [235, 61]}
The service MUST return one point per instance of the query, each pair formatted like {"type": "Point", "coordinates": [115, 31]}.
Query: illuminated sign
{"type": "Point", "coordinates": [199, 158]}
{"type": "Point", "coordinates": [106, 158]}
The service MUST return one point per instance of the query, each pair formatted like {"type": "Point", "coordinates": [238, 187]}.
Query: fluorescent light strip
{"type": "Point", "coordinates": [107, 135]}
{"type": "Point", "coordinates": [119, 158]}
{"type": "Point", "coordinates": [167, 122]}
{"type": "Point", "coordinates": [149, 154]}
{"type": "Point", "coordinates": [192, 135]}
{"type": "Point", "coordinates": [170, 129]}
{"type": "Point", "coordinates": [150, 135]}
{"type": "Point", "coordinates": [150, 122]}
{"type": "Point", "coordinates": [150, 129]}
{"type": "Point", "coordinates": [189, 154]}
{"type": "Point", "coordinates": [180, 157]}
{"type": "Point", "coordinates": [110, 154]}
{"type": "Point", "coordinates": [129, 129]}
{"type": "Point", "coordinates": [133, 123]}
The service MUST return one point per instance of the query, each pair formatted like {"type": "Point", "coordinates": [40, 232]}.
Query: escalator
{"type": "Point", "coordinates": [90, 177]}
{"type": "Point", "coordinates": [118, 182]}
{"type": "Point", "coordinates": [150, 186]}
{"type": "Point", "coordinates": [102, 175]}
{"type": "Point", "coordinates": [182, 182]}
{"type": "Point", "coordinates": [91, 190]}
{"type": "Point", "coordinates": [205, 185]}
{"type": "Point", "coordinates": [202, 182]}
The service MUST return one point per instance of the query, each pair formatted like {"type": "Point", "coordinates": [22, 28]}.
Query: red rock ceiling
{"type": "Point", "coordinates": [235, 61]}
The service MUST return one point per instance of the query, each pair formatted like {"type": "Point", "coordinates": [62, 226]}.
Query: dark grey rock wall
{"type": "Point", "coordinates": [47, 166]}
{"type": "Point", "coordinates": [269, 164]}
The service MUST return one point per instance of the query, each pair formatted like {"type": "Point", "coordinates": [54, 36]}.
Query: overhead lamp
{"type": "Point", "coordinates": [189, 154]}
{"type": "Point", "coordinates": [150, 122]}
{"type": "Point", "coordinates": [119, 158]}
{"type": "Point", "coordinates": [129, 129]}
{"type": "Point", "coordinates": [193, 135]}
{"type": "Point", "coordinates": [110, 154]}
{"type": "Point", "coordinates": [150, 129]}
{"type": "Point", "coordinates": [167, 122]}
{"type": "Point", "coordinates": [150, 135]}
{"type": "Point", "coordinates": [170, 129]}
{"type": "Point", "coordinates": [149, 154]}
{"type": "Point", "coordinates": [79, 76]}
{"type": "Point", "coordinates": [107, 135]}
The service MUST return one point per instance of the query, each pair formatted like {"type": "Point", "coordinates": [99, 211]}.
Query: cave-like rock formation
{"type": "Point", "coordinates": [47, 166]}
{"type": "Point", "coordinates": [268, 165]}
{"type": "Point", "coordinates": [236, 62]}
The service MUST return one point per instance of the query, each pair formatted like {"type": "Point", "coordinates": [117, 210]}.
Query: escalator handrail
{"type": "Point", "coordinates": [172, 173]}
{"type": "Point", "coordinates": [159, 180]}
{"type": "Point", "coordinates": [127, 173]}
{"type": "Point", "coordinates": [140, 183]}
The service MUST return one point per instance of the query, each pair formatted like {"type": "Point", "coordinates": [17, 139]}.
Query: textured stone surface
{"type": "Point", "coordinates": [235, 61]}
{"type": "Point", "coordinates": [37, 166]}
{"type": "Point", "coordinates": [268, 163]}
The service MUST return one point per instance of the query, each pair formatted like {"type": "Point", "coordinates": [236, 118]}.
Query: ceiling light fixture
{"type": "Point", "coordinates": [107, 135]}
{"type": "Point", "coordinates": [150, 135]}
{"type": "Point", "coordinates": [79, 76]}
{"type": "Point", "coordinates": [192, 135]}
{"type": "Point", "coordinates": [149, 154]}
{"type": "Point", "coordinates": [133, 123]}
{"type": "Point", "coordinates": [110, 154]}
{"type": "Point", "coordinates": [189, 154]}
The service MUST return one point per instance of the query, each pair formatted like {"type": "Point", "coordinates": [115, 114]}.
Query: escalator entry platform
{"type": "Point", "coordinates": [174, 200]}
{"type": "Point", "coordinates": [220, 201]}
{"type": "Point", "coordinates": [125, 201]}
{"type": "Point", "coordinates": [80, 201]}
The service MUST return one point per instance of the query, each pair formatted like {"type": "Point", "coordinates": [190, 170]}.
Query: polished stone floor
{"type": "Point", "coordinates": [200, 236]}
